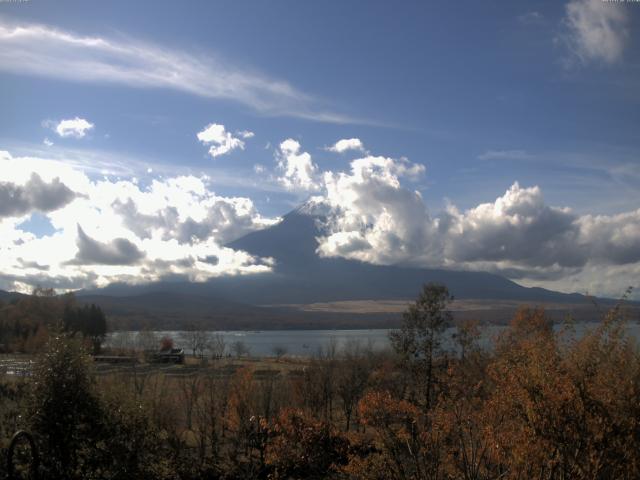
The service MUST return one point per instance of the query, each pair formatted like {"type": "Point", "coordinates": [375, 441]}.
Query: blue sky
{"type": "Point", "coordinates": [482, 94]}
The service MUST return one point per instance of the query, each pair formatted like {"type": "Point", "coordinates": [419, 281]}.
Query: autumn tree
{"type": "Point", "coordinates": [304, 447]}
{"type": "Point", "coordinates": [352, 377]}
{"type": "Point", "coordinates": [418, 340]}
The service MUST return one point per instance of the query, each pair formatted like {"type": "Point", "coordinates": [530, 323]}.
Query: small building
{"type": "Point", "coordinates": [173, 355]}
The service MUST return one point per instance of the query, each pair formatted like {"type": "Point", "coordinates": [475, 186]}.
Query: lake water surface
{"type": "Point", "coordinates": [309, 342]}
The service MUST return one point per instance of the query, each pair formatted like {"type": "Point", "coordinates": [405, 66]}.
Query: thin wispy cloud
{"type": "Point", "coordinates": [42, 50]}
{"type": "Point", "coordinates": [505, 155]}
{"type": "Point", "coordinates": [596, 31]}
{"type": "Point", "coordinates": [531, 18]}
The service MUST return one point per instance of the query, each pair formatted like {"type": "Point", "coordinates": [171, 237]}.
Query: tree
{"type": "Point", "coordinates": [419, 338]}
{"type": "Point", "coordinates": [279, 351]}
{"type": "Point", "coordinates": [88, 320]}
{"type": "Point", "coordinates": [216, 345]}
{"type": "Point", "coordinates": [240, 348]}
{"type": "Point", "coordinates": [166, 344]}
{"type": "Point", "coordinates": [466, 337]}
{"type": "Point", "coordinates": [147, 340]}
{"type": "Point", "coordinates": [352, 377]}
{"type": "Point", "coordinates": [196, 339]}
{"type": "Point", "coordinates": [96, 327]}
{"type": "Point", "coordinates": [65, 409]}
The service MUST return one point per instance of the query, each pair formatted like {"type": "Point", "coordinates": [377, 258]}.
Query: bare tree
{"type": "Point", "coordinates": [147, 341]}
{"type": "Point", "coordinates": [196, 340]}
{"type": "Point", "coordinates": [216, 345]}
{"type": "Point", "coordinates": [279, 351]}
{"type": "Point", "coordinates": [189, 393]}
{"type": "Point", "coordinates": [240, 348]}
{"type": "Point", "coordinates": [122, 341]}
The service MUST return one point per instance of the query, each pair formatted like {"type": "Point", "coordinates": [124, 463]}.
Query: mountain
{"type": "Point", "coordinates": [300, 276]}
{"type": "Point", "coordinates": [306, 291]}
{"type": "Point", "coordinates": [9, 296]}
{"type": "Point", "coordinates": [303, 277]}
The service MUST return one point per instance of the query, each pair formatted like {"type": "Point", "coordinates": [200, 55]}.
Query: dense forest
{"type": "Point", "coordinates": [25, 321]}
{"type": "Point", "coordinates": [542, 403]}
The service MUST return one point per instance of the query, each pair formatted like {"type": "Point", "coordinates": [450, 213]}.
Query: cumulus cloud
{"type": "Point", "coordinates": [174, 227]}
{"type": "Point", "coordinates": [597, 31]}
{"type": "Point", "coordinates": [347, 144]}
{"type": "Point", "coordinates": [373, 218]}
{"type": "Point", "coordinates": [369, 213]}
{"type": "Point", "coordinates": [298, 171]}
{"type": "Point", "coordinates": [74, 127]}
{"type": "Point", "coordinates": [201, 217]}
{"type": "Point", "coordinates": [35, 195]}
{"type": "Point", "coordinates": [518, 228]}
{"type": "Point", "coordinates": [220, 140]}
{"type": "Point", "coordinates": [612, 239]}
{"type": "Point", "coordinates": [56, 53]}
{"type": "Point", "coordinates": [118, 251]}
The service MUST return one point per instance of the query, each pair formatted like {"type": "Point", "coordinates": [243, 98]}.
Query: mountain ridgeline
{"type": "Point", "coordinates": [288, 297]}
{"type": "Point", "coordinates": [304, 277]}
{"type": "Point", "coordinates": [300, 276]}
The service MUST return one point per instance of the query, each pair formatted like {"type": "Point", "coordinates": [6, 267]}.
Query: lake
{"type": "Point", "coordinates": [308, 342]}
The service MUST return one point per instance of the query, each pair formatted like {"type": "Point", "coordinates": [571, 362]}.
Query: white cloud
{"type": "Point", "coordinates": [47, 142]}
{"type": "Point", "coordinates": [298, 171]}
{"type": "Point", "coordinates": [74, 127]}
{"type": "Point", "coordinates": [245, 134]}
{"type": "Point", "coordinates": [176, 226]}
{"type": "Point", "coordinates": [66, 55]}
{"type": "Point", "coordinates": [347, 144]}
{"type": "Point", "coordinates": [223, 142]}
{"type": "Point", "coordinates": [118, 230]}
{"type": "Point", "coordinates": [374, 218]}
{"type": "Point", "coordinates": [518, 229]}
{"type": "Point", "coordinates": [596, 30]}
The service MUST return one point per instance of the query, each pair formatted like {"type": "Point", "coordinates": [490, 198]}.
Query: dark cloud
{"type": "Point", "coordinates": [17, 200]}
{"type": "Point", "coordinates": [210, 259]}
{"type": "Point", "coordinates": [46, 280]}
{"type": "Point", "coordinates": [141, 224]}
{"type": "Point", "coordinates": [27, 264]}
{"type": "Point", "coordinates": [119, 251]}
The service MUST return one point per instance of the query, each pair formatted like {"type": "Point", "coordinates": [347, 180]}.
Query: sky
{"type": "Point", "coordinates": [138, 138]}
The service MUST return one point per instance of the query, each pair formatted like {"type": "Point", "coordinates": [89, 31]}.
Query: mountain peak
{"type": "Point", "coordinates": [312, 207]}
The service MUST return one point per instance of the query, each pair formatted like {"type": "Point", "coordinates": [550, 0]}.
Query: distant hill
{"type": "Point", "coordinates": [8, 296]}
